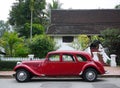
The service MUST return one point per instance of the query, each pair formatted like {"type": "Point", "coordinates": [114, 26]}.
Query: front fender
{"type": "Point", "coordinates": [23, 66]}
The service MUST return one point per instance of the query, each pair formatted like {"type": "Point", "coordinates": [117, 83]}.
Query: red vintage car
{"type": "Point", "coordinates": [60, 63]}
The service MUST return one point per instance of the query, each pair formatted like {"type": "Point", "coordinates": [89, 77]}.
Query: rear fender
{"type": "Point", "coordinates": [90, 66]}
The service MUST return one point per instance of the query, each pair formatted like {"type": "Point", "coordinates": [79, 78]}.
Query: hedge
{"type": "Point", "coordinates": [7, 65]}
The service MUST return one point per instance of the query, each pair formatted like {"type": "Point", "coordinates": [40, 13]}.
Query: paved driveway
{"type": "Point", "coordinates": [101, 83]}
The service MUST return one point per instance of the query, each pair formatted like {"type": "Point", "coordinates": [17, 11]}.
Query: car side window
{"type": "Point", "coordinates": [68, 57]}
{"type": "Point", "coordinates": [54, 57]}
{"type": "Point", "coordinates": [81, 58]}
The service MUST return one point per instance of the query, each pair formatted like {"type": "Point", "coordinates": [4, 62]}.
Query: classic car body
{"type": "Point", "coordinates": [60, 63]}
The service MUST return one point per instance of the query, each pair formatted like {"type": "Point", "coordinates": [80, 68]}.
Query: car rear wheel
{"type": "Point", "coordinates": [22, 75]}
{"type": "Point", "coordinates": [90, 75]}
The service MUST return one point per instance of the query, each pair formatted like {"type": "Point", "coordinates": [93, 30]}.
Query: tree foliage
{"type": "Point", "coordinates": [53, 6]}
{"type": "Point", "coordinates": [10, 41]}
{"type": "Point", "coordinates": [36, 30]}
{"type": "Point", "coordinates": [4, 26]}
{"type": "Point", "coordinates": [117, 6]}
{"type": "Point", "coordinates": [96, 38]}
{"type": "Point", "coordinates": [112, 40]}
{"type": "Point", "coordinates": [84, 41]}
{"type": "Point", "coordinates": [21, 50]}
{"type": "Point", "coordinates": [41, 45]}
{"type": "Point", "coordinates": [81, 43]}
{"type": "Point", "coordinates": [20, 14]}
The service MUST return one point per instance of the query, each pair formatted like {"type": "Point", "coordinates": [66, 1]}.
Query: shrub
{"type": "Point", "coordinates": [13, 44]}
{"type": "Point", "coordinates": [41, 45]}
{"type": "Point", "coordinates": [84, 41]}
{"type": "Point", "coordinates": [81, 43]}
{"type": "Point", "coordinates": [21, 50]}
{"type": "Point", "coordinates": [7, 65]}
{"type": "Point", "coordinates": [112, 41]}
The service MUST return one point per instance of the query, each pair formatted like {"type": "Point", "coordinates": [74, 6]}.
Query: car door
{"type": "Point", "coordinates": [52, 65]}
{"type": "Point", "coordinates": [69, 65]}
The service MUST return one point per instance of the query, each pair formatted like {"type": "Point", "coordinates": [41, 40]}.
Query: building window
{"type": "Point", "coordinates": [67, 39]}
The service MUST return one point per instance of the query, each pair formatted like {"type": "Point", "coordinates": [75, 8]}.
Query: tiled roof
{"type": "Point", "coordinates": [83, 21]}
{"type": "Point", "coordinates": [85, 16]}
{"type": "Point", "coordinates": [79, 29]}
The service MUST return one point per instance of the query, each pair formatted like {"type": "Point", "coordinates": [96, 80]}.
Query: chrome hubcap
{"type": "Point", "coordinates": [90, 75]}
{"type": "Point", "coordinates": [21, 75]}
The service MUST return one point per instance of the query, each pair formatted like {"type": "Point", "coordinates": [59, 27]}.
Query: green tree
{"type": "Point", "coordinates": [84, 41]}
{"type": "Point", "coordinates": [9, 42]}
{"type": "Point", "coordinates": [81, 43]}
{"type": "Point", "coordinates": [36, 30]}
{"type": "Point", "coordinates": [41, 45]}
{"type": "Point", "coordinates": [31, 22]}
{"type": "Point", "coordinates": [96, 37]}
{"type": "Point", "coordinates": [53, 6]}
{"type": "Point", "coordinates": [21, 50]}
{"type": "Point", "coordinates": [112, 41]}
{"type": "Point", "coordinates": [4, 26]}
{"type": "Point", "coordinates": [21, 13]}
{"type": "Point", "coordinates": [117, 6]}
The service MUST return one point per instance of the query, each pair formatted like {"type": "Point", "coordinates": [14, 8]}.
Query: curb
{"type": "Point", "coordinates": [6, 76]}
{"type": "Point", "coordinates": [109, 76]}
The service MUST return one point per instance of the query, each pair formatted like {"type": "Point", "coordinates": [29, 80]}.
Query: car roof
{"type": "Point", "coordinates": [71, 52]}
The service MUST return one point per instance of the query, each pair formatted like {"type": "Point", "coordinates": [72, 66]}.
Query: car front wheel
{"type": "Point", "coordinates": [22, 75]}
{"type": "Point", "coordinates": [90, 75]}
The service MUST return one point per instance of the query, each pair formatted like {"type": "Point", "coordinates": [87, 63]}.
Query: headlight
{"type": "Point", "coordinates": [18, 63]}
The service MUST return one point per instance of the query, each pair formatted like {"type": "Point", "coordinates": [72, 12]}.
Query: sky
{"type": "Point", "coordinates": [5, 5]}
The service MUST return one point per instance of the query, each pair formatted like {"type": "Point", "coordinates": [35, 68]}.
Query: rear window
{"type": "Point", "coordinates": [81, 58]}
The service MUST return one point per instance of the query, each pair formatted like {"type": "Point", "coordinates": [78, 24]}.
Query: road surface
{"type": "Point", "coordinates": [64, 83]}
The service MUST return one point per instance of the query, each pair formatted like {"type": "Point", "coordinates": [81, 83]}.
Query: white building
{"type": "Point", "coordinates": [66, 25]}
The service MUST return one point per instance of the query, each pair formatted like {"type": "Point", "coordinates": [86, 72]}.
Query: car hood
{"type": "Point", "coordinates": [33, 61]}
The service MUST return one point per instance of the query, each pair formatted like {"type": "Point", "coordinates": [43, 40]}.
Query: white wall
{"type": "Point", "coordinates": [59, 41]}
